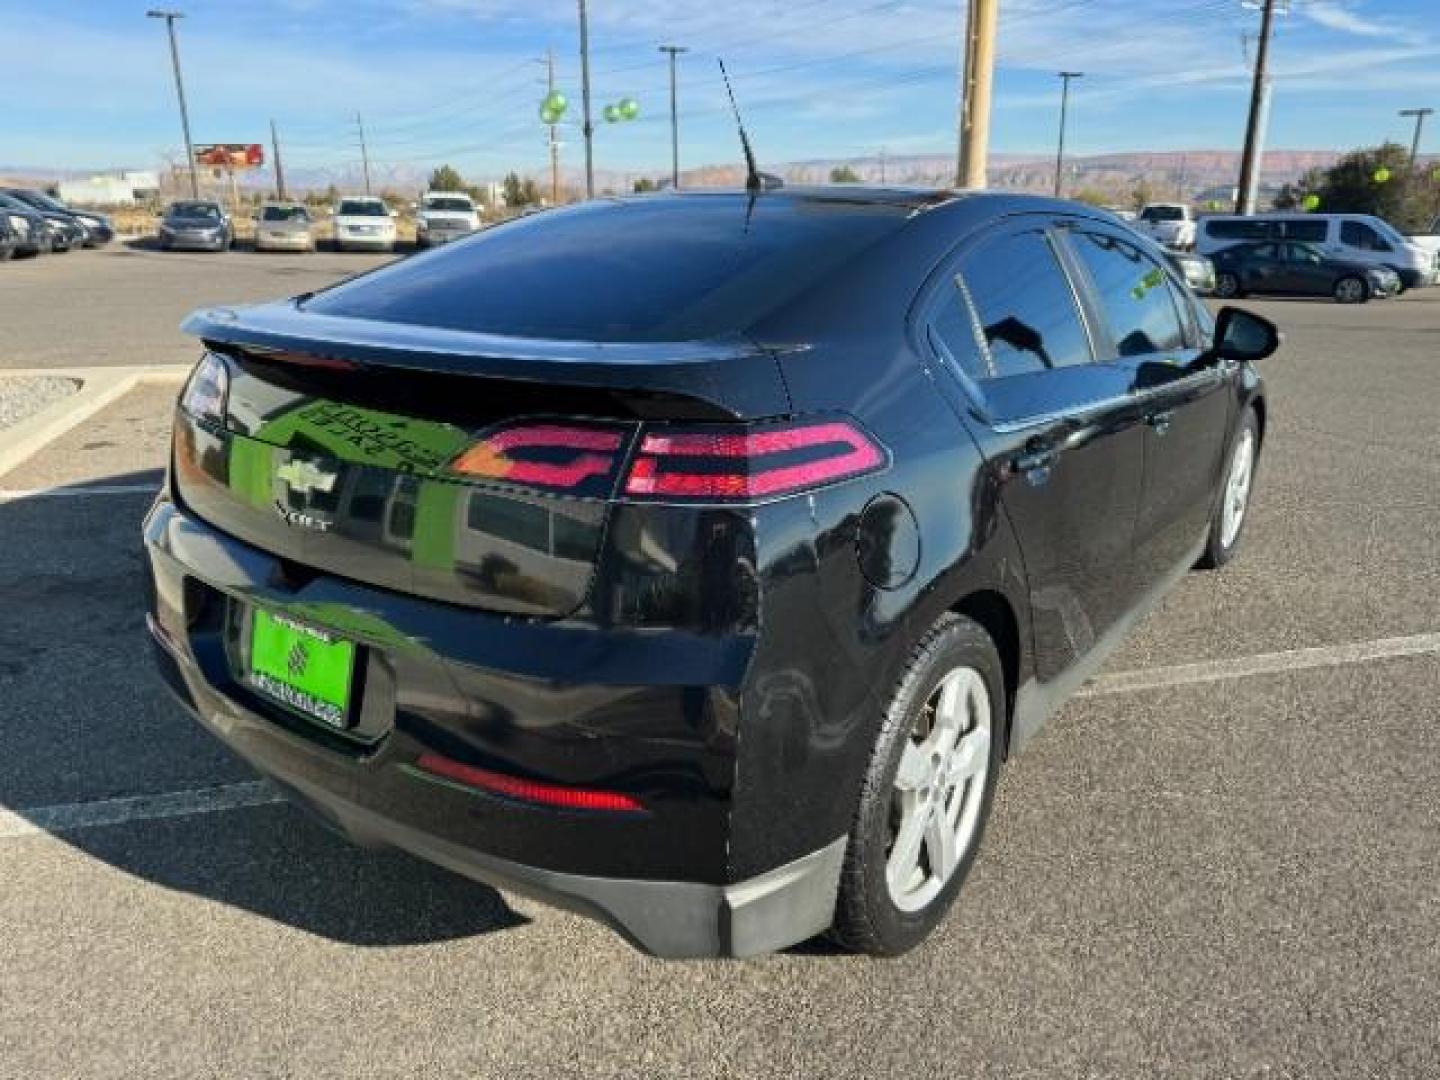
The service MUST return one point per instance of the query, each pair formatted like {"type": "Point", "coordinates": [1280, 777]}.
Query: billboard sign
{"type": "Point", "coordinates": [230, 155]}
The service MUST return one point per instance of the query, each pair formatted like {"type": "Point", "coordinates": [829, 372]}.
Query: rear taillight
{"type": "Point", "coordinates": [575, 459]}
{"type": "Point", "coordinates": [207, 390]}
{"type": "Point", "coordinates": [746, 464]}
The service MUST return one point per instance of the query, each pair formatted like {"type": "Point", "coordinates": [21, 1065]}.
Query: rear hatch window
{"type": "Point", "coordinates": [654, 269]}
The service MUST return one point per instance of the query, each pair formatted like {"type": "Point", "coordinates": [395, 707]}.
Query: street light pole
{"type": "Point", "coordinates": [674, 51]}
{"type": "Point", "coordinates": [1065, 77]}
{"type": "Point", "coordinates": [976, 78]}
{"type": "Point", "coordinates": [1419, 115]}
{"type": "Point", "coordinates": [587, 126]}
{"type": "Point", "coordinates": [170, 17]}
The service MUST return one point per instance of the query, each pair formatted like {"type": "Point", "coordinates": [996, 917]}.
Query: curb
{"type": "Point", "coordinates": [99, 388]}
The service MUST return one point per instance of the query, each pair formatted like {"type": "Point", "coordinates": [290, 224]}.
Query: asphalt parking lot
{"type": "Point", "coordinates": [1220, 860]}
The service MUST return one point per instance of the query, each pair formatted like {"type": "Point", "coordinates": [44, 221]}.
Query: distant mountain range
{"type": "Point", "coordinates": [1187, 174]}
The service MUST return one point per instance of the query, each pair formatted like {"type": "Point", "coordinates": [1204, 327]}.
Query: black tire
{"type": "Point", "coordinates": [1227, 286]}
{"type": "Point", "coordinates": [1351, 290]}
{"type": "Point", "coordinates": [867, 919]}
{"type": "Point", "coordinates": [1217, 552]}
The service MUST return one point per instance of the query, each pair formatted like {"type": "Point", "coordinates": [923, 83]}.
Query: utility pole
{"type": "Point", "coordinates": [978, 70]}
{"type": "Point", "coordinates": [364, 151]}
{"type": "Point", "coordinates": [279, 169]}
{"type": "Point", "coordinates": [1419, 115]}
{"type": "Point", "coordinates": [170, 17]}
{"type": "Point", "coordinates": [1065, 77]}
{"type": "Point", "coordinates": [674, 51]}
{"type": "Point", "coordinates": [1259, 108]}
{"type": "Point", "coordinates": [587, 127]}
{"type": "Point", "coordinates": [554, 138]}
{"type": "Point", "coordinates": [882, 165]}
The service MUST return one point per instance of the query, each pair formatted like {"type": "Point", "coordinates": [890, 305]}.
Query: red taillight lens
{"type": "Point", "coordinates": [530, 791]}
{"type": "Point", "coordinates": [560, 457]}
{"type": "Point", "coordinates": [736, 465]}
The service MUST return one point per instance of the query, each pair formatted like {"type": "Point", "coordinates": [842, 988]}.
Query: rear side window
{"type": "Point", "coordinates": [1237, 229]}
{"type": "Point", "coordinates": [1024, 306]}
{"type": "Point", "coordinates": [1135, 294]}
{"type": "Point", "coordinates": [1357, 234]}
{"type": "Point", "coordinates": [1310, 232]}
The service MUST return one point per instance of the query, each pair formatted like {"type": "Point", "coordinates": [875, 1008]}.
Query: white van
{"type": "Point", "coordinates": [1361, 238]}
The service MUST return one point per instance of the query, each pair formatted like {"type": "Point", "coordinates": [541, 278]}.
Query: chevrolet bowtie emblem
{"type": "Point", "coordinates": [303, 477]}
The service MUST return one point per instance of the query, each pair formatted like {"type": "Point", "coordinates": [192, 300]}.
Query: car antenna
{"type": "Point", "coordinates": [755, 183]}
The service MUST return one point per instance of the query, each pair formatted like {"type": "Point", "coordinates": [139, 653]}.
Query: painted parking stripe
{"type": "Point", "coordinates": [174, 804]}
{"type": "Point", "coordinates": [11, 494]}
{"type": "Point", "coordinates": [1124, 682]}
{"type": "Point", "coordinates": [171, 804]}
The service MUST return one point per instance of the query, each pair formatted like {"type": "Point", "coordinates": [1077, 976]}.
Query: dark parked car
{"type": "Point", "coordinates": [197, 225]}
{"type": "Point", "coordinates": [36, 233]}
{"type": "Point", "coordinates": [1291, 268]}
{"type": "Point", "coordinates": [696, 560]}
{"type": "Point", "coordinates": [97, 228]}
{"type": "Point", "coordinates": [9, 237]}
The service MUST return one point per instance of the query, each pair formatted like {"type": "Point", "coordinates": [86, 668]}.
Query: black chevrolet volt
{"type": "Point", "coordinates": [695, 561]}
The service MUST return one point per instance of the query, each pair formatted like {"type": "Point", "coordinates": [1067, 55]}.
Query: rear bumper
{"type": "Point", "coordinates": [299, 242]}
{"type": "Point", "coordinates": [194, 243]}
{"type": "Point", "coordinates": [659, 878]}
{"type": "Point", "coordinates": [365, 243]}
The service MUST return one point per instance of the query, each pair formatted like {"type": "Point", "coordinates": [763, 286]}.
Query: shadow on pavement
{"type": "Point", "coordinates": [84, 718]}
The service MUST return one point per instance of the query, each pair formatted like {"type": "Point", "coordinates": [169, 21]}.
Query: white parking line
{"type": "Point", "coordinates": [172, 804]}
{"type": "Point", "coordinates": [1359, 652]}
{"type": "Point", "coordinates": [13, 494]}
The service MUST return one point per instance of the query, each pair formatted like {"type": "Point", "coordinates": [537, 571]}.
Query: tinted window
{"type": "Point", "coordinates": [452, 203]}
{"type": "Point", "coordinates": [205, 211]}
{"type": "Point", "coordinates": [1162, 213]}
{"type": "Point", "coordinates": [284, 213]}
{"type": "Point", "coordinates": [1310, 231]}
{"type": "Point", "coordinates": [953, 332]}
{"type": "Point", "coordinates": [1263, 251]}
{"type": "Point", "coordinates": [656, 269]}
{"type": "Point", "coordinates": [1303, 253]}
{"type": "Point", "coordinates": [1357, 234]}
{"type": "Point", "coordinates": [1135, 293]}
{"type": "Point", "coordinates": [1025, 306]}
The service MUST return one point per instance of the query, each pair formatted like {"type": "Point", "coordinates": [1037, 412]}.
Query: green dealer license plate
{"type": "Point", "coordinates": [307, 669]}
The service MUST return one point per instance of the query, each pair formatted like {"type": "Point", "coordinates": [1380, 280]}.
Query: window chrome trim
{"type": "Point", "coordinates": [1085, 410]}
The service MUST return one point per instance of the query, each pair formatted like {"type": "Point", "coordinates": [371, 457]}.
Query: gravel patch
{"type": "Point", "coordinates": [22, 397]}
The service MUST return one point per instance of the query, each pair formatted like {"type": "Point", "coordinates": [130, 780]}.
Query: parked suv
{"type": "Point", "coordinates": [442, 216]}
{"type": "Point", "coordinates": [696, 561]}
{"type": "Point", "coordinates": [1168, 224]}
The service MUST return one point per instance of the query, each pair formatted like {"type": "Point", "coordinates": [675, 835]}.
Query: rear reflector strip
{"type": "Point", "coordinates": [738, 466]}
{"type": "Point", "coordinates": [530, 791]}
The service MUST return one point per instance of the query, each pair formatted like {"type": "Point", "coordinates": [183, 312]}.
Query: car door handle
{"type": "Point", "coordinates": [1160, 421]}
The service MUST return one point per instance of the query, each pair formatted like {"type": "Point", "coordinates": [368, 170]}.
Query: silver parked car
{"type": "Point", "coordinates": [284, 226]}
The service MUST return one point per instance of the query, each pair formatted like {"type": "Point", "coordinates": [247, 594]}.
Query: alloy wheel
{"type": "Point", "coordinates": [1237, 488]}
{"type": "Point", "coordinates": [939, 789]}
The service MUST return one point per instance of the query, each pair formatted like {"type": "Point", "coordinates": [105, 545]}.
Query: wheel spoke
{"type": "Point", "coordinates": [940, 843]}
{"type": "Point", "coordinates": [969, 758]}
{"type": "Point", "coordinates": [911, 774]}
{"type": "Point", "coordinates": [905, 855]}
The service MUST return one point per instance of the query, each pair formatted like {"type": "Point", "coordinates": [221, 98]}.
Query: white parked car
{"type": "Point", "coordinates": [442, 216]}
{"type": "Point", "coordinates": [363, 222]}
{"type": "Point", "coordinates": [1356, 238]}
{"type": "Point", "coordinates": [1169, 224]}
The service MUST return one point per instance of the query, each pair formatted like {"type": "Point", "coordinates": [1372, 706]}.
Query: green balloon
{"type": "Point", "coordinates": [549, 115]}
{"type": "Point", "coordinates": [557, 102]}
{"type": "Point", "coordinates": [612, 113]}
{"type": "Point", "coordinates": [629, 108]}
{"type": "Point", "coordinates": [1382, 175]}
{"type": "Point", "coordinates": [1311, 202]}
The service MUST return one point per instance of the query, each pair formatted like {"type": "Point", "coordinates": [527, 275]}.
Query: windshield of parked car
{"type": "Point", "coordinates": [1389, 232]}
{"type": "Point", "coordinates": [652, 269]}
{"type": "Point", "coordinates": [449, 204]}
{"type": "Point", "coordinates": [196, 211]}
{"type": "Point", "coordinates": [284, 213]}
{"type": "Point", "coordinates": [1162, 213]}
{"type": "Point", "coordinates": [362, 208]}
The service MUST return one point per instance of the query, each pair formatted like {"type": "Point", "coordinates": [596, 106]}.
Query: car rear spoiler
{"type": "Point", "coordinates": [732, 378]}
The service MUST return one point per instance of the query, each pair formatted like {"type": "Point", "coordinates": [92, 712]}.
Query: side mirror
{"type": "Point", "coordinates": [1243, 336]}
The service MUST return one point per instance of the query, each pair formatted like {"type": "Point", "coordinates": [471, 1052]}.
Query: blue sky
{"type": "Point", "coordinates": [458, 81]}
